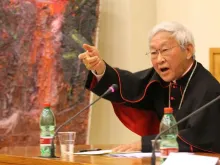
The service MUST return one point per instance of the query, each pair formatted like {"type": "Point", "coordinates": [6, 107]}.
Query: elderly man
{"type": "Point", "coordinates": [176, 80]}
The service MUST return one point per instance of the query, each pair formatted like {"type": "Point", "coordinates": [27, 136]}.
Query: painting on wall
{"type": "Point", "coordinates": [39, 45]}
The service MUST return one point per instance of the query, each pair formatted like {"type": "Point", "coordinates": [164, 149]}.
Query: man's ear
{"type": "Point", "coordinates": [189, 50]}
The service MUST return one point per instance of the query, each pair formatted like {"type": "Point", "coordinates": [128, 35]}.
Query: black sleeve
{"type": "Point", "coordinates": [132, 86]}
{"type": "Point", "coordinates": [200, 133]}
{"type": "Point", "coordinates": [110, 77]}
{"type": "Point", "coordinates": [184, 147]}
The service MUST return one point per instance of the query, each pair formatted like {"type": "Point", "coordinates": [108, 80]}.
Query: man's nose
{"type": "Point", "coordinates": [160, 58]}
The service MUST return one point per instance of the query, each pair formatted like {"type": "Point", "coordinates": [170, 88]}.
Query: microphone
{"type": "Point", "coordinates": [111, 89]}
{"type": "Point", "coordinates": [153, 157]}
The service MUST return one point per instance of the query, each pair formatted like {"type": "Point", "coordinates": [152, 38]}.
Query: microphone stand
{"type": "Point", "coordinates": [153, 157]}
{"type": "Point", "coordinates": [111, 89]}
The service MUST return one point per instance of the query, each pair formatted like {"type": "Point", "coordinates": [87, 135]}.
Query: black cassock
{"type": "Point", "coordinates": [142, 96]}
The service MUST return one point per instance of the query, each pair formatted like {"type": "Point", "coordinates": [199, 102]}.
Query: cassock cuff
{"type": "Point", "coordinates": [146, 143]}
{"type": "Point", "coordinates": [98, 76]}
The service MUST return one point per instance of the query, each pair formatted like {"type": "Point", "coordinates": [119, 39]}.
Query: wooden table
{"type": "Point", "coordinates": [30, 156]}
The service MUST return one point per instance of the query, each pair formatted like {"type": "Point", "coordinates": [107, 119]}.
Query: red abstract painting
{"type": "Point", "coordinates": [39, 45]}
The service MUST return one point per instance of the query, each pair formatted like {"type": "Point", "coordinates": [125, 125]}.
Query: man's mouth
{"type": "Point", "coordinates": [164, 69]}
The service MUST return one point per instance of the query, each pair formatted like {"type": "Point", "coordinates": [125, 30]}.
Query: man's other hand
{"type": "Point", "coordinates": [136, 146]}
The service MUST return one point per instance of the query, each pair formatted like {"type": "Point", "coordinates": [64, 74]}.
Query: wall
{"type": "Point", "coordinates": [122, 43]}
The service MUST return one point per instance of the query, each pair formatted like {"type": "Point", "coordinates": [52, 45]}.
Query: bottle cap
{"type": "Point", "coordinates": [46, 104]}
{"type": "Point", "coordinates": [168, 110]}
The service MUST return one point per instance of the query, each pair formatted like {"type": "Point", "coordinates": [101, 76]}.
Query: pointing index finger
{"type": "Point", "coordinates": [88, 47]}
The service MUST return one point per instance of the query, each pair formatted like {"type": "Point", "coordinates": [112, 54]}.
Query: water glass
{"type": "Point", "coordinates": [67, 142]}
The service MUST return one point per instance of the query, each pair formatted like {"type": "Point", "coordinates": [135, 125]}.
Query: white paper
{"type": "Point", "coordinates": [189, 159]}
{"type": "Point", "coordinates": [100, 152]}
{"type": "Point", "coordinates": [133, 154]}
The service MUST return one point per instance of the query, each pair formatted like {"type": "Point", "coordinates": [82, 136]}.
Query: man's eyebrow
{"type": "Point", "coordinates": [163, 44]}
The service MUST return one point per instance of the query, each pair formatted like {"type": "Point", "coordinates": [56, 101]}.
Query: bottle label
{"type": "Point", "coordinates": [45, 140]}
{"type": "Point", "coordinates": [45, 146]}
{"type": "Point", "coordinates": [164, 152]}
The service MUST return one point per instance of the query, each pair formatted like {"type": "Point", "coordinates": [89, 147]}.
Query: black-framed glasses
{"type": "Point", "coordinates": [163, 52]}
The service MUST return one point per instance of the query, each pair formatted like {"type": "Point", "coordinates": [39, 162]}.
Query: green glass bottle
{"type": "Point", "coordinates": [47, 130]}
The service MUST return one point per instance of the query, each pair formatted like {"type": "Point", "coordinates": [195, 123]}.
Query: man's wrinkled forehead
{"type": "Point", "coordinates": [162, 39]}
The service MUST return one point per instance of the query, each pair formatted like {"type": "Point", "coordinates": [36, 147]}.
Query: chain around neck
{"type": "Point", "coordinates": [181, 101]}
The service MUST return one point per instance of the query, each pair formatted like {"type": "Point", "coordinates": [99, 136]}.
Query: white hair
{"type": "Point", "coordinates": [182, 35]}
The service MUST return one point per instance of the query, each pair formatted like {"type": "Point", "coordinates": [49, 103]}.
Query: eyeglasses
{"type": "Point", "coordinates": [163, 52]}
